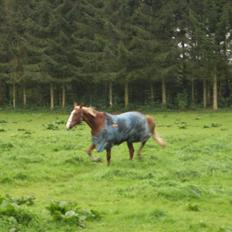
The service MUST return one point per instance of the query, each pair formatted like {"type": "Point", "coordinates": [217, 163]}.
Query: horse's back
{"type": "Point", "coordinates": [129, 126]}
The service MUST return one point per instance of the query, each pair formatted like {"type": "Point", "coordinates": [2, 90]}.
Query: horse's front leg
{"type": "Point", "coordinates": [89, 152]}
{"type": "Point", "coordinates": [108, 155]}
{"type": "Point", "coordinates": [90, 149]}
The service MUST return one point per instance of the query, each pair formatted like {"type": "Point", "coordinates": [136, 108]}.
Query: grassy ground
{"type": "Point", "coordinates": [184, 187]}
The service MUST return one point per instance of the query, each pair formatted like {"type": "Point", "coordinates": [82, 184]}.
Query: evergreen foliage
{"type": "Point", "coordinates": [179, 52]}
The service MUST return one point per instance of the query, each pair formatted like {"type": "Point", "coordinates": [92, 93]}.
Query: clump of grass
{"type": "Point", "coordinates": [11, 208]}
{"type": "Point", "coordinates": [65, 147]}
{"type": "Point", "coordinates": [187, 157]}
{"type": "Point", "coordinates": [186, 192]}
{"type": "Point", "coordinates": [212, 125]}
{"type": "Point", "coordinates": [69, 147]}
{"type": "Point", "coordinates": [74, 160]}
{"type": "Point", "coordinates": [225, 229]}
{"type": "Point", "coordinates": [168, 125]}
{"type": "Point", "coordinates": [120, 173]}
{"type": "Point", "coordinates": [27, 133]}
{"type": "Point", "coordinates": [157, 214]}
{"type": "Point", "coordinates": [68, 212]}
{"type": "Point", "coordinates": [6, 180]}
{"type": "Point", "coordinates": [182, 125]}
{"type": "Point", "coordinates": [147, 176]}
{"type": "Point", "coordinates": [187, 174]}
{"type": "Point", "coordinates": [206, 126]}
{"type": "Point", "coordinates": [6, 146]}
{"type": "Point", "coordinates": [25, 200]}
{"type": "Point", "coordinates": [3, 121]}
{"type": "Point", "coordinates": [129, 192]}
{"type": "Point", "coordinates": [2, 130]}
{"type": "Point", "coordinates": [54, 125]}
{"type": "Point", "coordinates": [51, 126]}
{"type": "Point", "coordinates": [59, 122]}
{"type": "Point", "coordinates": [201, 226]}
{"type": "Point", "coordinates": [21, 176]}
{"type": "Point", "coordinates": [193, 207]}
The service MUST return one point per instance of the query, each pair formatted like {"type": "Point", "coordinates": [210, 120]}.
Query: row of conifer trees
{"type": "Point", "coordinates": [116, 52]}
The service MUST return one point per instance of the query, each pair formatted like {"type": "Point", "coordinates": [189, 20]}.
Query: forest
{"type": "Point", "coordinates": [116, 53]}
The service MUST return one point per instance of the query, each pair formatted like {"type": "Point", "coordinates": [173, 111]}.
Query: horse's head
{"type": "Point", "coordinates": [75, 118]}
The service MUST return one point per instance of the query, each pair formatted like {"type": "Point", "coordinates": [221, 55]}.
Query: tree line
{"type": "Point", "coordinates": [117, 52]}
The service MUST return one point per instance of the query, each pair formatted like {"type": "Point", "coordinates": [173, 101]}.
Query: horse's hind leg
{"type": "Point", "coordinates": [140, 149]}
{"type": "Point", "coordinates": [108, 156]}
{"type": "Point", "coordinates": [131, 150]}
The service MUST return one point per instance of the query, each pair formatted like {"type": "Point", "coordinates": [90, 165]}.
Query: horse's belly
{"type": "Point", "coordinates": [130, 136]}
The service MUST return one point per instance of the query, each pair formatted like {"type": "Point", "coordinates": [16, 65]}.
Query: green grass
{"type": "Point", "coordinates": [184, 187]}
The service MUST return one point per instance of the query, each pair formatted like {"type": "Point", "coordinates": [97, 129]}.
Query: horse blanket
{"type": "Point", "coordinates": [130, 127]}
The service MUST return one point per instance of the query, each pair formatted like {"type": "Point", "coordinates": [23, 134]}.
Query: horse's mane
{"type": "Point", "coordinates": [89, 109]}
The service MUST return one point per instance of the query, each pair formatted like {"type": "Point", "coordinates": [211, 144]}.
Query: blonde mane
{"type": "Point", "coordinates": [89, 110]}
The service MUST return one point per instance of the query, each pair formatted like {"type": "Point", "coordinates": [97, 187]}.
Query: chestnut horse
{"type": "Point", "coordinates": [108, 130]}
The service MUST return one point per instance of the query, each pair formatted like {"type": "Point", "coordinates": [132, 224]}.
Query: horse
{"type": "Point", "coordinates": [108, 130]}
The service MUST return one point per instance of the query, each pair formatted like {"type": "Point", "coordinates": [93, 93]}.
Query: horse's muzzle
{"type": "Point", "coordinates": [68, 126]}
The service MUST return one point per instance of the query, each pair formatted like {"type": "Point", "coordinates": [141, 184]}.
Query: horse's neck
{"type": "Point", "coordinates": [94, 122]}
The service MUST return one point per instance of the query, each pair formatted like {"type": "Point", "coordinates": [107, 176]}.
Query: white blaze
{"type": "Point", "coordinates": [70, 120]}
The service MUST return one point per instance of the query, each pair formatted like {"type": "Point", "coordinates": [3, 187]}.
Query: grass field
{"type": "Point", "coordinates": [184, 187]}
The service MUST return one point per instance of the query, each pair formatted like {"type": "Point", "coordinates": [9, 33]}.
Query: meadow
{"type": "Point", "coordinates": [185, 187]}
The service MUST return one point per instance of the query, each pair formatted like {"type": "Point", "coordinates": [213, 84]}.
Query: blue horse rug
{"type": "Point", "coordinates": [131, 127]}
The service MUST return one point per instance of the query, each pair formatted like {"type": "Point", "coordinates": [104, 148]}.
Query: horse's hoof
{"type": "Point", "coordinates": [96, 159]}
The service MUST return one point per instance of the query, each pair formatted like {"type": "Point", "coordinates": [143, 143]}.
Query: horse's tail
{"type": "Point", "coordinates": [155, 136]}
{"type": "Point", "coordinates": [159, 140]}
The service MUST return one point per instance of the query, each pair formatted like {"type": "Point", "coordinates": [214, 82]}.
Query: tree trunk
{"type": "Point", "coordinates": [208, 92]}
{"type": "Point", "coordinates": [110, 94]}
{"type": "Point", "coordinates": [1, 93]}
{"type": "Point", "coordinates": [164, 98]}
{"type": "Point", "coordinates": [193, 92]}
{"type": "Point", "coordinates": [152, 93]}
{"type": "Point", "coordinates": [63, 96]}
{"type": "Point", "coordinates": [126, 97]}
{"type": "Point", "coordinates": [14, 94]}
{"type": "Point", "coordinates": [204, 94]}
{"type": "Point", "coordinates": [215, 93]}
{"type": "Point", "coordinates": [24, 96]}
{"type": "Point", "coordinates": [51, 97]}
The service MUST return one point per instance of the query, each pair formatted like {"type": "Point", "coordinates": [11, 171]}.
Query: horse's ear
{"type": "Point", "coordinates": [75, 104]}
{"type": "Point", "coordinates": [81, 105]}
